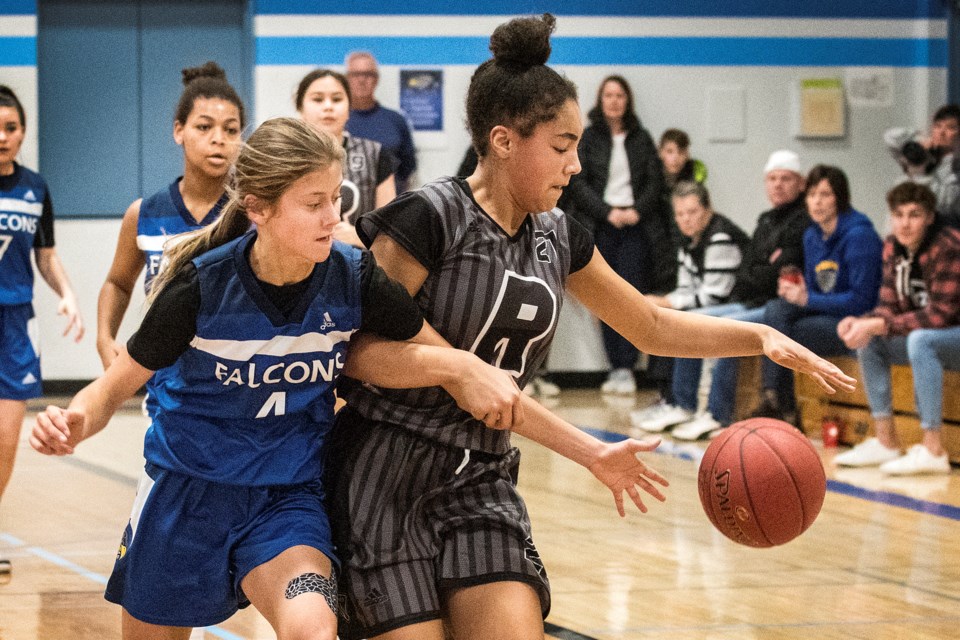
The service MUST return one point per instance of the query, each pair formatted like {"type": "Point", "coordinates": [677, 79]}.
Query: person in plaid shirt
{"type": "Point", "coordinates": [917, 320]}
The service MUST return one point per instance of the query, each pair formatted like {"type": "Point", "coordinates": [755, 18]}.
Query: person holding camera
{"type": "Point", "coordinates": [930, 160]}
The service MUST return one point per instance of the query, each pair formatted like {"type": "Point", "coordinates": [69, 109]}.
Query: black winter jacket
{"type": "Point", "coordinates": [585, 192]}
{"type": "Point", "coordinates": [777, 241]}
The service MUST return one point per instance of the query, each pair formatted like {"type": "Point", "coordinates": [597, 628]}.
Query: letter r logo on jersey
{"type": "Point", "coordinates": [524, 313]}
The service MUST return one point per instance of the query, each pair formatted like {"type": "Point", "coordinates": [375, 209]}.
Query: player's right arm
{"type": "Point", "coordinates": [118, 287]}
{"type": "Point", "coordinates": [57, 431]}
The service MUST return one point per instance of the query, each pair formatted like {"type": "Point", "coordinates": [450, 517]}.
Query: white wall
{"type": "Point", "coordinates": [667, 96]}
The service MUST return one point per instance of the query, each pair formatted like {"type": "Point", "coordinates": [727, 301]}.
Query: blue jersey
{"type": "Point", "coordinates": [20, 209]}
{"type": "Point", "coordinates": [162, 215]}
{"type": "Point", "coordinates": [251, 400]}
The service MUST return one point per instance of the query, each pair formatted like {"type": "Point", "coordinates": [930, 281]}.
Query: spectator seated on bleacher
{"type": "Point", "coordinates": [708, 259]}
{"type": "Point", "coordinates": [841, 277]}
{"type": "Point", "coordinates": [916, 321]}
{"type": "Point", "coordinates": [777, 243]}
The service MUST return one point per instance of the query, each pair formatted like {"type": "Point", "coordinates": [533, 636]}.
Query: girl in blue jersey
{"type": "Point", "coordinates": [436, 538]}
{"type": "Point", "coordinates": [247, 333]}
{"type": "Point", "coordinates": [26, 226]}
{"type": "Point", "coordinates": [207, 124]}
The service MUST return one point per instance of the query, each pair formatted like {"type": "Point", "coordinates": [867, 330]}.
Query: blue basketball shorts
{"type": "Point", "coordinates": [190, 543]}
{"type": "Point", "coordinates": [19, 353]}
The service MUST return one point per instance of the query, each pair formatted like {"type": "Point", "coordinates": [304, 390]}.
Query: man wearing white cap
{"type": "Point", "coordinates": [776, 246]}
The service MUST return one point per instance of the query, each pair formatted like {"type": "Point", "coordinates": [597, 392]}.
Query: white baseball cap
{"type": "Point", "coordinates": [783, 159]}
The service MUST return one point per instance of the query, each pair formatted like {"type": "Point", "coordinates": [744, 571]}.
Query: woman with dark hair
{"type": "Point", "coordinates": [26, 227]}
{"type": "Point", "coordinates": [841, 277]}
{"type": "Point", "coordinates": [323, 100]}
{"type": "Point", "coordinates": [622, 190]}
{"type": "Point", "coordinates": [207, 125]}
{"type": "Point", "coordinates": [426, 512]}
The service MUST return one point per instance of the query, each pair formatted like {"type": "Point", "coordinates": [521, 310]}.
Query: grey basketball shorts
{"type": "Point", "coordinates": [414, 519]}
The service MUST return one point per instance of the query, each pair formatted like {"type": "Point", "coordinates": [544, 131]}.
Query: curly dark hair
{"type": "Point", "coordinates": [206, 81]}
{"type": "Point", "coordinates": [515, 88]}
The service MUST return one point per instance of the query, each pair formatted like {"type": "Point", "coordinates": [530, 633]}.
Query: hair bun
{"type": "Point", "coordinates": [523, 42]}
{"type": "Point", "coordinates": [208, 70]}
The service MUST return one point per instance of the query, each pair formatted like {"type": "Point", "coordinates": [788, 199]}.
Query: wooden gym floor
{"type": "Point", "coordinates": [882, 561]}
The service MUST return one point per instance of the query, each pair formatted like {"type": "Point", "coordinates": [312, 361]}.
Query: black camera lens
{"type": "Point", "coordinates": [915, 153]}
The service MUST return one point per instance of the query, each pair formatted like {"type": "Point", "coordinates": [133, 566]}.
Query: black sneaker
{"type": "Point", "coordinates": [5, 566]}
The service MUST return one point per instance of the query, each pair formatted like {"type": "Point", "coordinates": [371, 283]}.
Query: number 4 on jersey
{"type": "Point", "coordinates": [276, 404]}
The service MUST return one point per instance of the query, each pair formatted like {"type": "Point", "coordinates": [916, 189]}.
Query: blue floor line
{"type": "Point", "coordinates": [687, 452]}
{"type": "Point", "coordinates": [60, 561]}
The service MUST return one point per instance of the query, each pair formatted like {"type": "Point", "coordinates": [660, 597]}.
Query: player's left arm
{"type": "Point", "coordinates": [668, 332]}
{"type": "Point", "coordinates": [52, 271]}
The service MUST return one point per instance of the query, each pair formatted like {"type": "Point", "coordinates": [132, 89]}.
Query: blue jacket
{"type": "Point", "coordinates": [843, 272]}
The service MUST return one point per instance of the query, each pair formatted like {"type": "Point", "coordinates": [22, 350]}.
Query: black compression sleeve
{"type": "Point", "coordinates": [169, 324]}
{"type": "Point", "coordinates": [387, 308]}
{"type": "Point", "coordinates": [43, 239]}
{"type": "Point", "coordinates": [412, 222]}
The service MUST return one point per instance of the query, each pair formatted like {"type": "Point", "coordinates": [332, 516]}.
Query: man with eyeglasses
{"type": "Point", "coordinates": [369, 119]}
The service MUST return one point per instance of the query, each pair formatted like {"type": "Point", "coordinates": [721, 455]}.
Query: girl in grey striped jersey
{"type": "Point", "coordinates": [426, 514]}
{"type": "Point", "coordinates": [323, 100]}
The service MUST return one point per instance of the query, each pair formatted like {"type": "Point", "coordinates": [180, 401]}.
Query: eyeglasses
{"type": "Point", "coordinates": [372, 75]}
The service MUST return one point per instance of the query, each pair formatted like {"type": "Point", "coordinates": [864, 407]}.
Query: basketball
{"type": "Point", "coordinates": [761, 482]}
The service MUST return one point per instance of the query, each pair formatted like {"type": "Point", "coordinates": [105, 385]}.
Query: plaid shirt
{"type": "Point", "coordinates": [921, 291]}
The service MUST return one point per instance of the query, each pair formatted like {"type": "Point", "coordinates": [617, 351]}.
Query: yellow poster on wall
{"type": "Point", "coordinates": [822, 112]}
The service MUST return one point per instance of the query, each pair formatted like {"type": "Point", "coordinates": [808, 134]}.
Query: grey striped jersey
{"type": "Point", "coordinates": [707, 271]}
{"type": "Point", "coordinates": [486, 292]}
{"type": "Point", "coordinates": [360, 179]}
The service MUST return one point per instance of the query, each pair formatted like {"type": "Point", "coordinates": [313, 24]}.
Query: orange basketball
{"type": "Point", "coordinates": [761, 482]}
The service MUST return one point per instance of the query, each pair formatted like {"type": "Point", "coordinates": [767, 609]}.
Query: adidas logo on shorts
{"type": "Point", "coordinates": [28, 379]}
{"type": "Point", "coordinates": [375, 598]}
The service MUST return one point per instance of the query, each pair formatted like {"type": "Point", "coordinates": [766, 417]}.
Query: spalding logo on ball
{"type": "Point", "coordinates": [761, 482]}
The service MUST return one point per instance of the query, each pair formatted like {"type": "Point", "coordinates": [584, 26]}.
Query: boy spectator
{"type": "Point", "coordinates": [916, 321]}
{"type": "Point", "coordinates": [678, 166]}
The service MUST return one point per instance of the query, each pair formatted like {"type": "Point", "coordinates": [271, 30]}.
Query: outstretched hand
{"type": "Point", "coordinates": [56, 431]}
{"type": "Point", "coordinates": [793, 355]}
{"type": "Point", "coordinates": [621, 470]}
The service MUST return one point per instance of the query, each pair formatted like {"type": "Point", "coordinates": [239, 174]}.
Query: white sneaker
{"type": "Point", "coordinates": [620, 381]}
{"type": "Point", "coordinates": [695, 429]}
{"type": "Point", "coordinates": [868, 453]}
{"type": "Point", "coordinates": [667, 416]}
{"type": "Point", "coordinates": [647, 413]}
{"type": "Point", "coordinates": [916, 460]}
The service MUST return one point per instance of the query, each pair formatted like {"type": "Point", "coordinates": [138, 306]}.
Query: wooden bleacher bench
{"type": "Point", "coordinates": [852, 408]}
